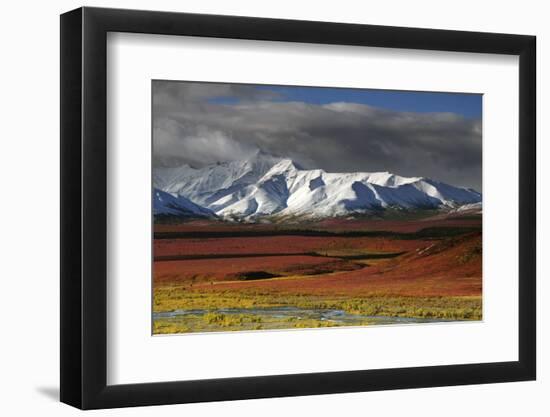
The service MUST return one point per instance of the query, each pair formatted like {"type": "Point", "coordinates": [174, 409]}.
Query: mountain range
{"type": "Point", "coordinates": [264, 186]}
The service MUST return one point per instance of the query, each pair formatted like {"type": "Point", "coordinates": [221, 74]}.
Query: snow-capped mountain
{"type": "Point", "coordinates": [264, 185]}
{"type": "Point", "coordinates": [165, 204]}
{"type": "Point", "coordinates": [202, 186]}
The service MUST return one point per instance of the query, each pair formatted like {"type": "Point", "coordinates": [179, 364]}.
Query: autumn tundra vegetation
{"type": "Point", "coordinates": [211, 275]}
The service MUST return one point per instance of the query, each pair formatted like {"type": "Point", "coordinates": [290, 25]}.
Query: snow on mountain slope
{"type": "Point", "coordinates": [164, 177]}
{"type": "Point", "coordinates": [200, 185]}
{"type": "Point", "coordinates": [263, 185]}
{"type": "Point", "coordinates": [165, 204]}
{"type": "Point", "coordinates": [474, 208]}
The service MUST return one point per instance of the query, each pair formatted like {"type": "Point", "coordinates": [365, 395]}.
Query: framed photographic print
{"type": "Point", "coordinates": [257, 208]}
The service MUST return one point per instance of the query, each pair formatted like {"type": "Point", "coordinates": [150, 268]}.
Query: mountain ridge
{"type": "Point", "coordinates": [264, 185]}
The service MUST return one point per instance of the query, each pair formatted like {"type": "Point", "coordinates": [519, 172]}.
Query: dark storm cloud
{"type": "Point", "coordinates": [204, 123]}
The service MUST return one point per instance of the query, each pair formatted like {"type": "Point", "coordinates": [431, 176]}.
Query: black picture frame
{"type": "Point", "coordinates": [84, 207]}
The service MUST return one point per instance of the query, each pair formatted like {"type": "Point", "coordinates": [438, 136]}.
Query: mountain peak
{"type": "Point", "coordinates": [284, 165]}
{"type": "Point", "coordinates": [258, 159]}
{"type": "Point", "coordinates": [267, 185]}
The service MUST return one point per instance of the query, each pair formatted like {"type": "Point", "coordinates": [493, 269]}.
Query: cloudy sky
{"type": "Point", "coordinates": [437, 135]}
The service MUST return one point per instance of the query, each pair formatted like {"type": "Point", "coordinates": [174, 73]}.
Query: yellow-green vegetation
{"type": "Point", "coordinates": [161, 326]}
{"type": "Point", "coordinates": [179, 298]}
{"type": "Point", "coordinates": [212, 322]}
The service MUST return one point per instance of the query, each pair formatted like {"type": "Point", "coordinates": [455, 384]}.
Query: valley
{"type": "Point", "coordinates": [211, 275]}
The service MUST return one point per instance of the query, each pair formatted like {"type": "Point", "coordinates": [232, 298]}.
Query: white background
{"type": "Point", "coordinates": [134, 356]}
{"type": "Point", "coordinates": [30, 203]}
